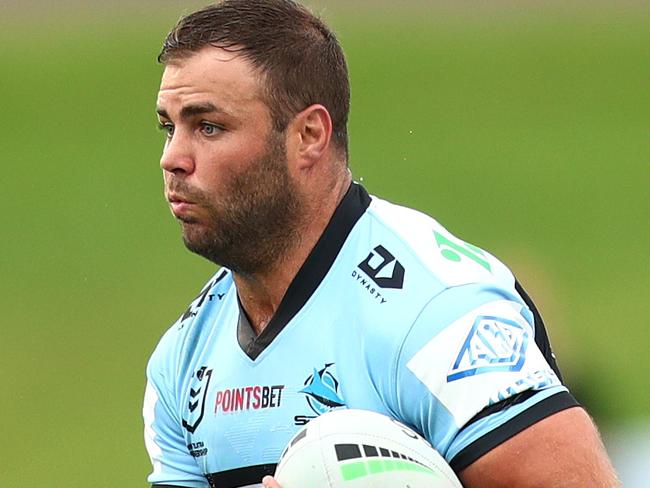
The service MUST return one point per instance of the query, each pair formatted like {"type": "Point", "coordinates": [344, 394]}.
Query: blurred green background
{"type": "Point", "coordinates": [522, 127]}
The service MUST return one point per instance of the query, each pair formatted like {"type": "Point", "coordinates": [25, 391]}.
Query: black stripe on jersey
{"type": "Point", "coordinates": [235, 478]}
{"type": "Point", "coordinates": [311, 274]}
{"type": "Point", "coordinates": [502, 405]}
{"type": "Point", "coordinates": [541, 337]}
{"type": "Point", "coordinates": [545, 408]}
{"type": "Point", "coordinates": [542, 341]}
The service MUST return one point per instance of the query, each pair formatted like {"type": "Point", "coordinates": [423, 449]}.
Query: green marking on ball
{"type": "Point", "coordinates": [360, 469]}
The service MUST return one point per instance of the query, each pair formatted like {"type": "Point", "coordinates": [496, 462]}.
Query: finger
{"type": "Point", "coordinates": [269, 482]}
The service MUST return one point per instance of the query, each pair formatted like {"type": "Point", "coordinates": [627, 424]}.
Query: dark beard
{"type": "Point", "coordinates": [254, 221]}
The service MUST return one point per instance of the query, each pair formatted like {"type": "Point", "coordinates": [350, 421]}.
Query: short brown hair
{"type": "Point", "coordinates": [299, 57]}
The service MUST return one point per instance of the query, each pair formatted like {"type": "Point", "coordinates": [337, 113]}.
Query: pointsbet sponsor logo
{"type": "Point", "coordinates": [248, 398]}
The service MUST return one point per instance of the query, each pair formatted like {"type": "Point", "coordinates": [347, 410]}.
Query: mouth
{"type": "Point", "coordinates": [179, 205]}
{"type": "Point", "coordinates": [176, 198]}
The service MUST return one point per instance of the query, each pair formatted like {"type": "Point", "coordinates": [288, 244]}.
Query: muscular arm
{"type": "Point", "coordinates": [562, 451]}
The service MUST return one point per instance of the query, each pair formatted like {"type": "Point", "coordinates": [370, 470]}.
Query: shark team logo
{"type": "Point", "coordinates": [321, 391]}
{"type": "Point", "coordinates": [493, 344]}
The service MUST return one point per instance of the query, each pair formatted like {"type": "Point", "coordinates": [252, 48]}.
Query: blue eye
{"type": "Point", "coordinates": [210, 129]}
{"type": "Point", "coordinates": [167, 128]}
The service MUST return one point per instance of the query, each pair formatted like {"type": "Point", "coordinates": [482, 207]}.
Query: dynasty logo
{"type": "Point", "coordinates": [200, 299]}
{"type": "Point", "coordinates": [321, 391]}
{"type": "Point", "coordinates": [383, 269]}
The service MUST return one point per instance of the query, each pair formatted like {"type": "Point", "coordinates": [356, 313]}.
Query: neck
{"type": "Point", "coordinates": [260, 293]}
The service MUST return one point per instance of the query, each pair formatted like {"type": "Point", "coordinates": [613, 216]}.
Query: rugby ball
{"type": "Point", "coordinates": [361, 449]}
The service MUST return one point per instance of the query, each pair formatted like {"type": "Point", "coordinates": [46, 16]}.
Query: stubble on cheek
{"type": "Point", "coordinates": [253, 219]}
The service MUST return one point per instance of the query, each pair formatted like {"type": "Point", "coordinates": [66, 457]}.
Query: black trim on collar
{"type": "Point", "coordinates": [311, 274]}
{"type": "Point", "coordinates": [245, 332]}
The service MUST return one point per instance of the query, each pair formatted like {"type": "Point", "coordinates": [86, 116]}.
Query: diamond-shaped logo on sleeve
{"type": "Point", "coordinates": [493, 344]}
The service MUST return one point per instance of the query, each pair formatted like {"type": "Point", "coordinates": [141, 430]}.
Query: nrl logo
{"type": "Point", "coordinates": [196, 401]}
{"type": "Point", "coordinates": [493, 344]}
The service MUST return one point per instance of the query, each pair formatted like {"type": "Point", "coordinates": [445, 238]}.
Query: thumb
{"type": "Point", "coordinates": [269, 482]}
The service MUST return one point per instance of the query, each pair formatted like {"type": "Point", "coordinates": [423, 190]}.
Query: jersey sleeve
{"type": "Point", "coordinates": [164, 440]}
{"type": "Point", "coordinates": [471, 372]}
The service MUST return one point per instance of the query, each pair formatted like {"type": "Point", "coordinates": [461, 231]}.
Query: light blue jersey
{"type": "Point", "coordinates": [389, 313]}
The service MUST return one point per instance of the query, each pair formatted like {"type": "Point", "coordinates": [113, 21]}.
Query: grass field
{"type": "Point", "coordinates": [524, 133]}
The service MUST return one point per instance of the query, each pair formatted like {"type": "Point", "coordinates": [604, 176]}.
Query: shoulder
{"type": "Point", "coordinates": [429, 278]}
{"type": "Point", "coordinates": [447, 287]}
{"type": "Point", "coordinates": [440, 257]}
{"type": "Point", "coordinates": [180, 339]}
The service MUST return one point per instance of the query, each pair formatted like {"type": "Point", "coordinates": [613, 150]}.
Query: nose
{"type": "Point", "coordinates": [177, 156]}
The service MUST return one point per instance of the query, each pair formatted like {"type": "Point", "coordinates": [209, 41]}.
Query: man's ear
{"type": "Point", "coordinates": [309, 136]}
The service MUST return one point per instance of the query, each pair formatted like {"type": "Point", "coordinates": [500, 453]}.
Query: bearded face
{"type": "Point", "coordinates": [249, 223]}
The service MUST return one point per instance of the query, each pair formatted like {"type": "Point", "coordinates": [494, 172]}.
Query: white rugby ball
{"type": "Point", "coordinates": [361, 449]}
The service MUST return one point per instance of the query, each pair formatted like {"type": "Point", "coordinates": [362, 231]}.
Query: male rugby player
{"type": "Point", "coordinates": [328, 297]}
